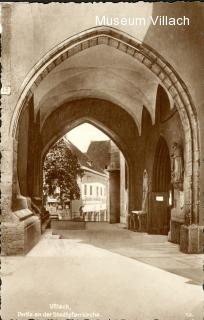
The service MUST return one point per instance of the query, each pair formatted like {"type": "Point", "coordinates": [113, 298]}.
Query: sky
{"type": "Point", "coordinates": [82, 135]}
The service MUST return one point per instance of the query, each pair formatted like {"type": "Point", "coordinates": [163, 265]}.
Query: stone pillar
{"type": "Point", "coordinates": [6, 179]}
{"type": "Point", "coordinates": [37, 165]}
{"type": "Point", "coordinates": [123, 190]}
{"type": "Point", "coordinates": [37, 172]}
{"type": "Point", "coordinates": [177, 217]}
{"type": "Point", "coordinates": [191, 239]}
{"type": "Point", "coordinates": [114, 181]}
{"type": "Point", "coordinates": [114, 184]}
{"type": "Point", "coordinates": [20, 227]}
{"type": "Point", "coordinates": [191, 232]}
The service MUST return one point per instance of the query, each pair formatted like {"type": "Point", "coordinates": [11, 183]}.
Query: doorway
{"type": "Point", "coordinates": [161, 195]}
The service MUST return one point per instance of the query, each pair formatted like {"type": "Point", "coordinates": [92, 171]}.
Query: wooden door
{"type": "Point", "coordinates": [159, 213]}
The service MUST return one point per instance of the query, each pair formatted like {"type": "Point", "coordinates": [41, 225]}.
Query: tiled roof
{"type": "Point", "coordinates": [83, 158]}
{"type": "Point", "coordinates": [99, 153]}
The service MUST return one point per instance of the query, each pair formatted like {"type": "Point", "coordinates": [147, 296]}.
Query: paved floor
{"type": "Point", "coordinates": [106, 270]}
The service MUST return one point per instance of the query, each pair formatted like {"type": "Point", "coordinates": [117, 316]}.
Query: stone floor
{"type": "Point", "coordinates": [105, 269]}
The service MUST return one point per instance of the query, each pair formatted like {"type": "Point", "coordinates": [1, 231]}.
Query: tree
{"type": "Point", "coordinates": [61, 169]}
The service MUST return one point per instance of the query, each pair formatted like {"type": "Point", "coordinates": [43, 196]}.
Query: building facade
{"type": "Point", "coordinates": [93, 188]}
{"type": "Point", "coordinates": [94, 195]}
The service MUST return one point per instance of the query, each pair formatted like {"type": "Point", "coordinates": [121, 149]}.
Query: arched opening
{"type": "Point", "coordinates": [153, 61]}
{"type": "Point", "coordinates": [100, 107]}
{"type": "Point", "coordinates": [101, 198]}
{"type": "Point", "coordinates": [161, 195]}
{"type": "Point", "coordinates": [70, 115]}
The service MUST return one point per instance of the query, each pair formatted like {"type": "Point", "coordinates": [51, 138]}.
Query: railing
{"type": "Point", "coordinates": [98, 199]}
{"type": "Point", "coordinates": [96, 216]}
{"type": "Point", "coordinates": [92, 216]}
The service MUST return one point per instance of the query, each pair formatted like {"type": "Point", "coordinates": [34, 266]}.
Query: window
{"type": "Point", "coordinates": [85, 189]}
{"type": "Point", "coordinates": [97, 191]}
{"type": "Point", "coordinates": [90, 190]}
{"type": "Point", "coordinates": [101, 191]}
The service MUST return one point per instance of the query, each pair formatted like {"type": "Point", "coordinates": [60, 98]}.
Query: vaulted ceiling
{"type": "Point", "coordinates": [99, 72]}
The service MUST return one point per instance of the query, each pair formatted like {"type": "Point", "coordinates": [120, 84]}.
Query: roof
{"type": "Point", "coordinates": [83, 158]}
{"type": "Point", "coordinates": [99, 153]}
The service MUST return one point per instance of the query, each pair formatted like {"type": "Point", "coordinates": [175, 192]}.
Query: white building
{"type": "Point", "coordinates": [94, 195]}
{"type": "Point", "coordinates": [94, 189]}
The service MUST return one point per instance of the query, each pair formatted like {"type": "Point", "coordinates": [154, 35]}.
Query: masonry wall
{"type": "Point", "coordinates": [183, 48]}
{"type": "Point", "coordinates": [167, 125]}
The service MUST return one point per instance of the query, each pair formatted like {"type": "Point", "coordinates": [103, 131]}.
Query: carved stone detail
{"type": "Point", "coordinates": [177, 166]}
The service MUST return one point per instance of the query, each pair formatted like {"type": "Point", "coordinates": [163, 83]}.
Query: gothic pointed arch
{"type": "Point", "coordinates": [152, 60]}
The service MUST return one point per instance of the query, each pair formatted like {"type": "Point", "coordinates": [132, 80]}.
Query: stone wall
{"type": "Point", "coordinates": [20, 236]}
{"type": "Point", "coordinates": [167, 125]}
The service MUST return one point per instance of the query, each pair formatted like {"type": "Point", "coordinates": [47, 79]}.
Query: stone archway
{"type": "Point", "coordinates": [27, 185]}
{"type": "Point", "coordinates": [93, 111]}
{"type": "Point", "coordinates": [123, 132]}
{"type": "Point", "coordinates": [154, 62]}
{"type": "Point", "coordinates": [116, 146]}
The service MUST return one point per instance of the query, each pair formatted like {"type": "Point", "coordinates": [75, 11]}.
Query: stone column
{"type": "Point", "coordinates": [114, 181]}
{"type": "Point", "coordinates": [191, 233]}
{"type": "Point", "coordinates": [6, 178]}
{"type": "Point", "coordinates": [37, 169]}
{"type": "Point", "coordinates": [123, 190]}
{"type": "Point", "coordinates": [114, 184]}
